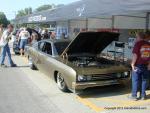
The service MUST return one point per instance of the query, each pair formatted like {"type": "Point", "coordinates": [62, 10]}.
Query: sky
{"type": "Point", "coordinates": [10, 7]}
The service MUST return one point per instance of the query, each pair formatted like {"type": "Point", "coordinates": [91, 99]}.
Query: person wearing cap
{"type": "Point", "coordinates": [6, 36]}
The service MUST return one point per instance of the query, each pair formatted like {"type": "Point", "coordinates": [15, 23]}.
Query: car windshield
{"type": "Point", "coordinates": [60, 46]}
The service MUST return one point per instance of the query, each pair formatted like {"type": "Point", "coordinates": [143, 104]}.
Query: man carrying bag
{"type": "Point", "coordinates": [5, 47]}
{"type": "Point", "coordinates": [1, 33]}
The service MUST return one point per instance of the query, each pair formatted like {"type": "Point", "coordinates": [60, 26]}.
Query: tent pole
{"type": "Point", "coordinates": [113, 22]}
{"type": "Point", "coordinates": [147, 20]}
{"type": "Point", "coordinates": [69, 28]}
{"type": "Point", "coordinates": [86, 24]}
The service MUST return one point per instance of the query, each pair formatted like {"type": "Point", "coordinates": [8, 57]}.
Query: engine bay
{"type": "Point", "coordinates": [90, 61]}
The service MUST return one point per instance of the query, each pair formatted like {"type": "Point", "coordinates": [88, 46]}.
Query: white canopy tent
{"type": "Point", "coordinates": [111, 10]}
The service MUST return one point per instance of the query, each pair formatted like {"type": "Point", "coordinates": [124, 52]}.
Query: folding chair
{"type": "Point", "coordinates": [119, 49]}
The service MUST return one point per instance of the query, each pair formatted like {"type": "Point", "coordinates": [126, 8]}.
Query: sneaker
{"type": "Point", "coordinates": [142, 98]}
{"type": "Point", "coordinates": [133, 98]}
{"type": "Point", "coordinates": [3, 65]}
{"type": "Point", "coordinates": [13, 65]}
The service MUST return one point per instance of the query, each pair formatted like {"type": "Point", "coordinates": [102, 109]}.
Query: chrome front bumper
{"type": "Point", "coordinates": [84, 85]}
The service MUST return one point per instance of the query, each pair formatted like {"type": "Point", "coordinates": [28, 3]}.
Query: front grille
{"type": "Point", "coordinates": [105, 77]}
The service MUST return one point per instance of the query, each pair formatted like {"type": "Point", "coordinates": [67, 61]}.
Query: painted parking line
{"type": "Point", "coordinates": [119, 103]}
{"type": "Point", "coordinates": [89, 104]}
{"type": "Point", "coordinates": [125, 103]}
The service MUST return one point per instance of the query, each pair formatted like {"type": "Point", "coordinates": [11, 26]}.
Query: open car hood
{"type": "Point", "coordinates": [90, 43]}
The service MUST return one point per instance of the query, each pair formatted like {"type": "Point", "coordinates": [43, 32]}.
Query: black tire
{"type": "Point", "coordinates": [16, 53]}
{"type": "Point", "coordinates": [33, 67]}
{"type": "Point", "coordinates": [61, 83]}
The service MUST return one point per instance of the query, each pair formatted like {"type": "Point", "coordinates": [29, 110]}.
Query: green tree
{"type": "Point", "coordinates": [3, 19]}
{"type": "Point", "coordinates": [28, 10]}
{"type": "Point", "coordinates": [24, 12]}
{"type": "Point", "coordinates": [44, 7]}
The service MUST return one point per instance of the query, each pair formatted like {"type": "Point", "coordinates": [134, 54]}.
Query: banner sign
{"type": "Point", "coordinates": [36, 18]}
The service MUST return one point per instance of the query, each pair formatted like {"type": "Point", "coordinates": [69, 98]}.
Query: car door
{"type": "Point", "coordinates": [41, 55]}
{"type": "Point", "coordinates": [40, 61]}
{"type": "Point", "coordinates": [37, 54]}
{"type": "Point", "coordinates": [46, 58]}
{"type": "Point", "coordinates": [33, 53]}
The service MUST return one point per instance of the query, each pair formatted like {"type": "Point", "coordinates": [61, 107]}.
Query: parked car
{"type": "Point", "coordinates": [16, 43]}
{"type": "Point", "coordinates": [16, 48]}
{"type": "Point", "coordinates": [77, 65]}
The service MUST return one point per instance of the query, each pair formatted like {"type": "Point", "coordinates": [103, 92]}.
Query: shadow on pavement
{"type": "Point", "coordinates": [25, 66]}
{"type": "Point", "coordinates": [148, 96]}
{"type": "Point", "coordinates": [105, 91]}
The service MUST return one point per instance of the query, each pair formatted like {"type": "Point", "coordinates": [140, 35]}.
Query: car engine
{"type": "Point", "coordinates": [90, 62]}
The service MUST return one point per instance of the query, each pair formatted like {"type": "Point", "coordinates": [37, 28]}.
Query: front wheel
{"type": "Point", "coordinates": [61, 83]}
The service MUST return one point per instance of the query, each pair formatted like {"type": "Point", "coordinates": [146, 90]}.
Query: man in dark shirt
{"type": "Point", "coordinates": [140, 60]}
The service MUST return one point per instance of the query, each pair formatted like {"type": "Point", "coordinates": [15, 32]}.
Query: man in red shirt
{"type": "Point", "coordinates": [140, 61]}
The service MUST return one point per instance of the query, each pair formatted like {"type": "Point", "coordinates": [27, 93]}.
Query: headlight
{"type": "Point", "coordinates": [126, 73]}
{"type": "Point", "coordinates": [82, 78]}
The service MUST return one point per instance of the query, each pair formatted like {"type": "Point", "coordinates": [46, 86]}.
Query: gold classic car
{"type": "Point", "coordinates": [76, 64]}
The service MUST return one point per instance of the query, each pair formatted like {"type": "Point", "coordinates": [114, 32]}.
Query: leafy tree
{"type": "Point", "coordinates": [3, 19]}
{"type": "Point", "coordinates": [44, 7]}
{"type": "Point", "coordinates": [28, 10]}
{"type": "Point", "coordinates": [24, 12]}
{"type": "Point", "coordinates": [20, 13]}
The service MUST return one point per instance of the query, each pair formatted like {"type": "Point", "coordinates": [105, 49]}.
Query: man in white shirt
{"type": "Point", "coordinates": [6, 36]}
{"type": "Point", "coordinates": [24, 35]}
{"type": "Point", "coordinates": [1, 32]}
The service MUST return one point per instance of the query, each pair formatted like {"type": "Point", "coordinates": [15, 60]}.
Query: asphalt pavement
{"type": "Point", "coordinates": [23, 90]}
{"type": "Point", "coordinates": [18, 94]}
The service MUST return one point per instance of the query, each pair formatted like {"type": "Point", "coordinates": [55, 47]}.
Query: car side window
{"type": "Point", "coordinates": [35, 45]}
{"type": "Point", "coordinates": [41, 46]}
{"type": "Point", "coordinates": [47, 48]}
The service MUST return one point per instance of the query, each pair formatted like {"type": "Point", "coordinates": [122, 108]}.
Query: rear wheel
{"type": "Point", "coordinates": [61, 83]}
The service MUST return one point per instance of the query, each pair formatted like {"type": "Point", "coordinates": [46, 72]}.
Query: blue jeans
{"type": "Point", "coordinates": [139, 80]}
{"type": "Point", "coordinates": [23, 43]}
{"type": "Point", "coordinates": [5, 50]}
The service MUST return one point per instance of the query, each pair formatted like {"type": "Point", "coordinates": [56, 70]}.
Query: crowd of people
{"type": "Point", "coordinates": [23, 36]}
{"type": "Point", "coordinates": [140, 61]}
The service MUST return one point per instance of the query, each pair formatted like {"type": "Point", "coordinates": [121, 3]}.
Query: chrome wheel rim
{"type": "Point", "coordinates": [60, 81]}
